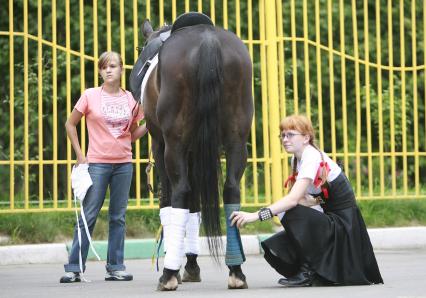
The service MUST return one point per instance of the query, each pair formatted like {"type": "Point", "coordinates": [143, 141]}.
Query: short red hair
{"type": "Point", "coordinates": [300, 123]}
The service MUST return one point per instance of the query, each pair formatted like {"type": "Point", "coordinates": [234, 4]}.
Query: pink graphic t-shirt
{"type": "Point", "coordinates": [116, 112]}
{"type": "Point", "coordinates": [108, 121]}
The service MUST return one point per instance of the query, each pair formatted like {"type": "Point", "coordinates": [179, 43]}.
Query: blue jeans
{"type": "Point", "coordinates": [118, 177]}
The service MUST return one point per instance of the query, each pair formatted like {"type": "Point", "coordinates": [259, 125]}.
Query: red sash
{"type": "Point", "coordinates": [319, 180]}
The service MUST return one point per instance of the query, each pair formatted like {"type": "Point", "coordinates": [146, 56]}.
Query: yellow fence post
{"type": "Point", "coordinates": [68, 96]}
{"type": "Point", "coordinates": [415, 100]}
{"type": "Point", "coordinates": [319, 73]}
{"type": "Point", "coordinates": [55, 105]}
{"type": "Point", "coordinates": [380, 99]}
{"type": "Point", "coordinates": [26, 132]}
{"type": "Point", "coordinates": [344, 88]}
{"type": "Point", "coordinates": [40, 104]}
{"type": "Point", "coordinates": [274, 116]}
{"type": "Point", "coordinates": [293, 56]}
{"type": "Point", "coordinates": [11, 110]}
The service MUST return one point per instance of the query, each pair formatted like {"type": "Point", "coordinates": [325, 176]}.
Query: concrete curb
{"type": "Point", "coordinates": [382, 239]}
{"type": "Point", "coordinates": [398, 238]}
{"type": "Point", "coordinates": [33, 253]}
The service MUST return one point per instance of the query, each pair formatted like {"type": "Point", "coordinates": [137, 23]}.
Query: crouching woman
{"type": "Point", "coordinates": [316, 248]}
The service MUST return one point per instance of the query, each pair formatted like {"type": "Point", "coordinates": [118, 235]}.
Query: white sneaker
{"type": "Point", "coordinates": [118, 276]}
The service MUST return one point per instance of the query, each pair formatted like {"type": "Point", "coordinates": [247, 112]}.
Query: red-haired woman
{"type": "Point", "coordinates": [316, 248]}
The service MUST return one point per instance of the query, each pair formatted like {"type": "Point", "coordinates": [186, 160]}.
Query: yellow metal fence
{"type": "Point", "coordinates": [355, 67]}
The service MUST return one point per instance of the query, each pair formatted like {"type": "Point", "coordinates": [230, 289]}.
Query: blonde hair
{"type": "Point", "coordinates": [106, 58]}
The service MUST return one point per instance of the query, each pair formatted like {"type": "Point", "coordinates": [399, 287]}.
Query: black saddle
{"type": "Point", "coordinates": [191, 19]}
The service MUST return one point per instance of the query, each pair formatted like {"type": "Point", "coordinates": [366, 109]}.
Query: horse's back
{"type": "Point", "coordinates": [179, 64]}
{"type": "Point", "coordinates": [183, 46]}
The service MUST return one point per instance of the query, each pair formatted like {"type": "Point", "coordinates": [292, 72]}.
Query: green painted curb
{"type": "Point", "coordinates": [262, 237]}
{"type": "Point", "coordinates": [146, 248]}
{"type": "Point", "coordinates": [133, 249]}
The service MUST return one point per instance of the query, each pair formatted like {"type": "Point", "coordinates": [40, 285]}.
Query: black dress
{"type": "Point", "coordinates": [335, 244]}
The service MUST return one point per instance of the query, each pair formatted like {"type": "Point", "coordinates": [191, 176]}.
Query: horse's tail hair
{"type": "Point", "coordinates": [206, 149]}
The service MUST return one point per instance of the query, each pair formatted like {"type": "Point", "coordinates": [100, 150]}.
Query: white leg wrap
{"type": "Point", "coordinates": [192, 244]}
{"type": "Point", "coordinates": [166, 219]}
{"type": "Point", "coordinates": [179, 218]}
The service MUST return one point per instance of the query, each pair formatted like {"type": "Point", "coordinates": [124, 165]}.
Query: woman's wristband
{"type": "Point", "coordinates": [264, 214]}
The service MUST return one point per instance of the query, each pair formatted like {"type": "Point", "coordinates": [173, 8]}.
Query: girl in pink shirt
{"type": "Point", "coordinates": [112, 117]}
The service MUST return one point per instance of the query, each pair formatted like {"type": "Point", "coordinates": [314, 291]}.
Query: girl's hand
{"type": "Point", "coordinates": [138, 131]}
{"type": "Point", "coordinates": [81, 160]}
{"type": "Point", "coordinates": [240, 218]}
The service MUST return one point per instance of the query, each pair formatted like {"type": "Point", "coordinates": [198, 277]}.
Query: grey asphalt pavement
{"type": "Point", "coordinates": [403, 271]}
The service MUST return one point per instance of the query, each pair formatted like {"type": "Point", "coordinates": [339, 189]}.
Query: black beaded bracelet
{"type": "Point", "coordinates": [264, 214]}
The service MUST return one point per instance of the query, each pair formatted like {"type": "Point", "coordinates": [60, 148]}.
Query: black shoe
{"type": "Point", "coordinates": [304, 278]}
{"type": "Point", "coordinates": [70, 277]}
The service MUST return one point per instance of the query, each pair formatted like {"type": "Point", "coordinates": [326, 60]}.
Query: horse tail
{"type": "Point", "coordinates": [206, 150]}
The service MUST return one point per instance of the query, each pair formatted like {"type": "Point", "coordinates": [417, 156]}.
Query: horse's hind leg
{"type": "Point", "coordinates": [165, 193]}
{"type": "Point", "coordinates": [192, 239]}
{"type": "Point", "coordinates": [191, 271]}
{"type": "Point", "coordinates": [176, 167]}
{"type": "Point", "coordinates": [236, 159]}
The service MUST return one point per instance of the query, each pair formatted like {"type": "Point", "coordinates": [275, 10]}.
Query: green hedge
{"type": "Point", "coordinates": [58, 227]}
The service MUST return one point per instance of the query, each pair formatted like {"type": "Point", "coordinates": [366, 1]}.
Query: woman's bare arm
{"type": "Point", "coordinates": [71, 129]}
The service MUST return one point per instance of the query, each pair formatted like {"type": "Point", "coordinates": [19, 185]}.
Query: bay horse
{"type": "Point", "coordinates": [197, 104]}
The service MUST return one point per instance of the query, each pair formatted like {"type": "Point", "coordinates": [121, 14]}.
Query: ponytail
{"type": "Point", "coordinates": [322, 173]}
{"type": "Point", "coordinates": [292, 178]}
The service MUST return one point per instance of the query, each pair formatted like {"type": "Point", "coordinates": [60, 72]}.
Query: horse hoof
{"type": "Point", "coordinates": [235, 283]}
{"type": "Point", "coordinates": [170, 285]}
{"type": "Point", "coordinates": [191, 276]}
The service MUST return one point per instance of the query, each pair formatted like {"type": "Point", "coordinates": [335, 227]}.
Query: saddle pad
{"type": "Point", "coordinates": [152, 64]}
